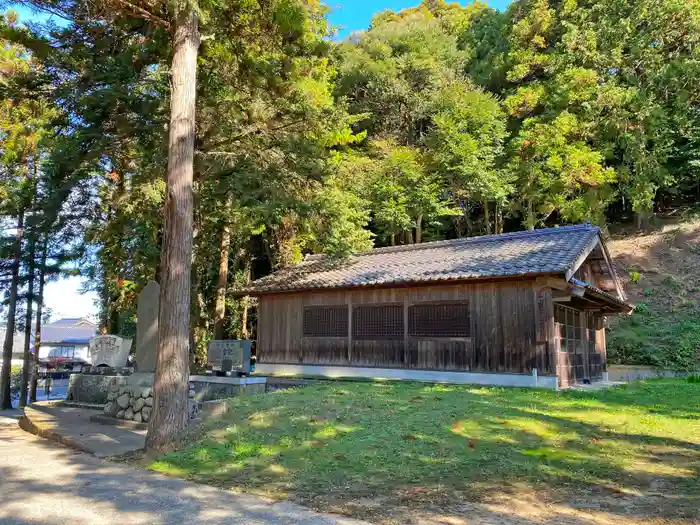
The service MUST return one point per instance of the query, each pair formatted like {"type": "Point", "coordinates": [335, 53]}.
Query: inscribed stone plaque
{"type": "Point", "coordinates": [147, 328]}
{"type": "Point", "coordinates": [110, 350]}
{"type": "Point", "coordinates": [231, 355]}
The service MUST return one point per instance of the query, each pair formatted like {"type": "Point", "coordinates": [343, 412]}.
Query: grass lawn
{"type": "Point", "coordinates": [408, 452]}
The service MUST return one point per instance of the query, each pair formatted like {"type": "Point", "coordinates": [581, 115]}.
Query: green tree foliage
{"type": "Point", "coordinates": [438, 121]}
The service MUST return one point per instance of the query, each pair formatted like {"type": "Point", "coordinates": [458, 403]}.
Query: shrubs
{"type": "Point", "coordinates": [648, 338]}
{"type": "Point", "coordinates": [15, 380]}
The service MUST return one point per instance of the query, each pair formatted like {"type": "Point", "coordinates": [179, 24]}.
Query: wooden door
{"type": "Point", "coordinates": [571, 343]}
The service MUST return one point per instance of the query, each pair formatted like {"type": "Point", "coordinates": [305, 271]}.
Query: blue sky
{"type": "Point", "coordinates": [355, 15]}
{"type": "Point", "coordinates": [348, 15]}
{"type": "Point", "coordinates": [64, 297]}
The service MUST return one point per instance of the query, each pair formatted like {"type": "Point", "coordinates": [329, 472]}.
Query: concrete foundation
{"type": "Point", "coordinates": [634, 372]}
{"type": "Point", "coordinates": [209, 388]}
{"type": "Point", "coordinates": [431, 376]}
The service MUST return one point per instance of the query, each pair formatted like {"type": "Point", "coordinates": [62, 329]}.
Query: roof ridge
{"type": "Point", "coordinates": [465, 240]}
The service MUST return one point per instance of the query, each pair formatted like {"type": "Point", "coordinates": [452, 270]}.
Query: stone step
{"type": "Point", "coordinates": [119, 423]}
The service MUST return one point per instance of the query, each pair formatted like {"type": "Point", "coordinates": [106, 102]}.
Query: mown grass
{"type": "Point", "coordinates": [408, 444]}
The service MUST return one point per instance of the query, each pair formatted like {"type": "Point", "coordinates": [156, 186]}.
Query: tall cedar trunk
{"type": "Point", "coordinates": [31, 263]}
{"type": "Point", "coordinates": [170, 388]}
{"type": "Point", "coordinates": [117, 297]}
{"type": "Point", "coordinates": [487, 217]}
{"type": "Point", "coordinates": [245, 301]}
{"type": "Point", "coordinates": [39, 311]}
{"type": "Point", "coordinates": [498, 220]}
{"type": "Point", "coordinates": [530, 216]}
{"type": "Point", "coordinates": [220, 306]}
{"type": "Point", "coordinates": [419, 229]}
{"type": "Point", "coordinates": [5, 396]}
{"type": "Point", "coordinates": [393, 239]}
{"type": "Point", "coordinates": [28, 325]}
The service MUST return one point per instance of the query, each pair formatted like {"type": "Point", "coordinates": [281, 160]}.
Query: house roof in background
{"type": "Point", "coordinates": [68, 330]}
{"type": "Point", "coordinates": [72, 321]}
{"type": "Point", "coordinates": [17, 343]}
{"type": "Point", "coordinates": [545, 251]}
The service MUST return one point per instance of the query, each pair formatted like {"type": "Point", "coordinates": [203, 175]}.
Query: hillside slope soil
{"type": "Point", "coordinates": [661, 275]}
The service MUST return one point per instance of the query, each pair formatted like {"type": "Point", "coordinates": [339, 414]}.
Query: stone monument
{"type": "Point", "coordinates": [109, 350]}
{"type": "Point", "coordinates": [147, 328]}
{"type": "Point", "coordinates": [232, 355]}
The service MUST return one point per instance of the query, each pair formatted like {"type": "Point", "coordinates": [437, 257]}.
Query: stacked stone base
{"type": "Point", "coordinates": [132, 403]}
{"type": "Point", "coordinates": [135, 403]}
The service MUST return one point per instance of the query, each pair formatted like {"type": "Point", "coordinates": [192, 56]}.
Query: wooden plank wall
{"type": "Point", "coordinates": [511, 330]}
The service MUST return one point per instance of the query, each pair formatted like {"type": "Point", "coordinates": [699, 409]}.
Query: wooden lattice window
{"type": "Point", "coordinates": [439, 320]}
{"type": "Point", "coordinates": [326, 321]}
{"type": "Point", "coordinates": [376, 322]}
{"type": "Point", "coordinates": [568, 325]}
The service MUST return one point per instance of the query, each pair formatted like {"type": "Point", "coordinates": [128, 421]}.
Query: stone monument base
{"type": "Point", "coordinates": [93, 388]}
{"type": "Point", "coordinates": [208, 388]}
{"type": "Point", "coordinates": [133, 399]}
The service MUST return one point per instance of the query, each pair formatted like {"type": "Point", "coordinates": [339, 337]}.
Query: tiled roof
{"type": "Point", "coordinates": [71, 321]}
{"type": "Point", "coordinates": [62, 332]}
{"type": "Point", "coordinates": [545, 251]}
{"type": "Point", "coordinates": [17, 343]}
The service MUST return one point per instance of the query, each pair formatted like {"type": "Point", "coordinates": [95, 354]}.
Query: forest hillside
{"type": "Point", "coordinates": [440, 121]}
{"type": "Point", "coordinates": [660, 272]}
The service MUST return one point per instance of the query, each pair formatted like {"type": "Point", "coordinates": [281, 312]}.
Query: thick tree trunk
{"type": "Point", "coordinates": [220, 306]}
{"type": "Point", "coordinates": [37, 329]}
{"type": "Point", "coordinates": [168, 420]}
{"type": "Point", "coordinates": [28, 325]}
{"type": "Point", "coordinates": [468, 222]}
{"type": "Point", "coordinates": [5, 396]}
{"type": "Point", "coordinates": [393, 239]}
{"type": "Point", "coordinates": [487, 217]}
{"type": "Point", "coordinates": [419, 229]}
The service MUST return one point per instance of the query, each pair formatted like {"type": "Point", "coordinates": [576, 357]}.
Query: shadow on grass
{"type": "Point", "coordinates": [44, 483]}
{"type": "Point", "coordinates": [414, 445]}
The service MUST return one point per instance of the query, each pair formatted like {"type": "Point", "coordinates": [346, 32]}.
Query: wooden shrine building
{"type": "Point", "coordinates": [521, 309]}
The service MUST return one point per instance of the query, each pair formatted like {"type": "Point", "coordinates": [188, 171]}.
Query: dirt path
{"type": "Point", "coordinates": [44, 483]}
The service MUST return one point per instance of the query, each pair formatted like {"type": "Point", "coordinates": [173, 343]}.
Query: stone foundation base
{"type": "Point", "coordinates": [133, 400]}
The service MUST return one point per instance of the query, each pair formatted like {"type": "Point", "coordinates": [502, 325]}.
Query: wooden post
{"type": "Point", "coordinates": [583, 322]}
{"type": "Point", "coordinates": [349, 329]}
{"type": "Point", "coordinates": [405, 330]}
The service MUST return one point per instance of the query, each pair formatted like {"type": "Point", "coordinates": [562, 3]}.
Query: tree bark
{"type": "Point", "coordinates": [28, 324]}
{"type": "Point", "coordinates": [39, 312]}
{"type": "Point", "coordinates": [498, 220]}
{"type": "Point", "coordinates": [168, 420]}
{"type": "Point", "coordinates": [220, 306]}
{"type": "Point", "coordinates": [245, 301]}
{"type": "Point", "coordinates": [419, 229]}
{"type": "Point", "coordinates": [487, 217]}
{"type": "Point", "coordinates": [5, 395]}
{"type": "Point", "coordinates": [530, 216]}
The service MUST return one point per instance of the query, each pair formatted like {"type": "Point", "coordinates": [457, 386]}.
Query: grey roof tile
{"type": "Point", "coordinates": [550, 250]}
